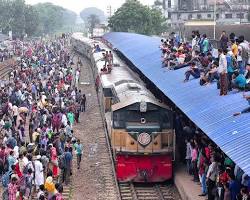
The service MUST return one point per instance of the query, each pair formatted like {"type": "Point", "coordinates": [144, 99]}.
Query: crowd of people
{"type": "Point", "coordinates": [219, 177]}
{"type": "Point", "coordinates": [5, 54]}
{"type": "Point", "coordinates": [9, 49]}
{"type": "Point", "coordinates": [38, 108]}
{"type": "Point", "coordinates": [229, 65]}
{"type": "Point", "coordinates": [217, 174]}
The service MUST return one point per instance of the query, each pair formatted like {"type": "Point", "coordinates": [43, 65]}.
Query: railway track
{"type": "Point", "coordinates": [4, 73]}
{"type": "Point", "coordinates": [98, 167]}
{"type": "Point", "coordinates": [5, 69]}
{"type": "Point", "coordinates": [134, 191]}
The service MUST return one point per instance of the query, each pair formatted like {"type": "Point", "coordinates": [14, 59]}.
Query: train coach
{"type": "Point", "coordinates": [140, 128]}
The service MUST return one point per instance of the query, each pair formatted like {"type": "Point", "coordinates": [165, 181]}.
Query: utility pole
{"type": "Point", "coordinates": [215, 8]}
{"type": "Point", "coordinates": [109, 10]}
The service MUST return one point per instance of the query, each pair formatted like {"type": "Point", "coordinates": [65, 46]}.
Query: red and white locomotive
{"type": "Point", "coordinates": [140, 127]}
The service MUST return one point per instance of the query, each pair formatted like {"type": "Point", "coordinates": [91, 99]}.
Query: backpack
{"type": "Point", "coordinates": [25, 170]}
{"type": "Point", "coordinates": [245, 52]}
{"type": "Point", "coordinates": [27, 167]}
{"type": "Point", "coordinates": [6, 179]}
{"type": "Point", "coordinates": [197, 48]}
{"type": "Point", "coordinates": [61, 161]}
{"type": "Point", "coordinates": [234, 63]}
{"type": "Point", "coordinates": [62, 136]}
{"type": "Point", "coordinates": [210, 46]}
{"type": "Point", "coordinates": [5, 194]}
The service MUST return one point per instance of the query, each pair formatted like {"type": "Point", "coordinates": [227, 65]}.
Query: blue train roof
{"type": "Point", "coordinates": [212, 113]}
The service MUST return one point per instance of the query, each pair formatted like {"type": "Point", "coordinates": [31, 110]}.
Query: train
{"type": "Point", "coordinates": [140, 127]}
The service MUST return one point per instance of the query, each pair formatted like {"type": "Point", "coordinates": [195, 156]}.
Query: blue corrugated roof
{"type": "Point", "coordinates": [202, 104]}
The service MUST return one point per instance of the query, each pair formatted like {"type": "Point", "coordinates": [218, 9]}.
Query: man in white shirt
{"type": "Point", "coordinates": [64, 120]}
{"type": "Point", "coordinates": [15, 114]}
{"type": "Point", "coordinates": [212, 175]}
{"type": "Point", "coordinates": [222, 70]}
{"type": "Point", "coordinates": [243, 56]}
{"type": "Point", "coordinates": [77, 77]}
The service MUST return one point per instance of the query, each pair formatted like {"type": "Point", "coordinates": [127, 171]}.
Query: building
{"type": "Point", "coordinates": [178, 12]}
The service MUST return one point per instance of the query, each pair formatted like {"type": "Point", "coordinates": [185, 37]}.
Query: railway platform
{"type": "Point", "coordinates": [187, 189]}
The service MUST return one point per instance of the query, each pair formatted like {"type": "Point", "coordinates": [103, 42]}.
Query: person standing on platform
{"type": "Point", "coordinates": [54, 161]}
{"type": "Point", "coordinates": [83, 103]}
{"type": "Point", "coordinates": [68, 164]}
{"type": "Point", "coordinates": [194, 155]}
{"type": "Point", "coordinates": [223, 40]}
{"type": "Point", "coordinates": [39, 175]}
{"type": "Point", "coordinates": [71, 118]}
{"type": "Point", "coordinates": [12, 189]}
{"type": "Point", "coordinates": [188, 156]}
{"type": "Point", "coordinates": [212, 173]}
{"type": "Point", "coordinates": [234, 186]}
{"type": "Point", "coordinates": [205, 45]}
{"type": "Point", "coordinates": [79, 151]}
{"type": "Point", "coordinates": [222, 70]}
{"type": "Point", "coordinates": [202, 171]}
{"type": "Point", "coordinates": [77, 75]}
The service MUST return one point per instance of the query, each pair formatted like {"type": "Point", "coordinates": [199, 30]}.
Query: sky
{"type": "Point", "coordinates": [79, 5]}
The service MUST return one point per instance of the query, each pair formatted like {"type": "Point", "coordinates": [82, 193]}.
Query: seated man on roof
{"type": "Point", "coordinates": [180, 56]}
{"type": "Point", "coordinates": [193, 70]}
{"type": "Point", "coordinates": [210, 75]}
{"type": "Point", "coordinates": [239, 81]}
{"type": "Point", "coordinates": [247, 110]}
{"type": "Point", "coordinates": [247, 76]}
{"type": "Point", "coordinates": [206, 61]}
{"type": "Point", "coordinates": [97, 48]}
{"type": "Point", "coordinates": [163, 44]}
{"type": "Point", "coordinates": [169, 57]}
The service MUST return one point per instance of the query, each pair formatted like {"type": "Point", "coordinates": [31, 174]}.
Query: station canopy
{"type": "Point", "coordinates": [212, 113]}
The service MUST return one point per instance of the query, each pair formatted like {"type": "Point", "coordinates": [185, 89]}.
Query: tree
{"type": "Point", "coordinates": [50, 17]}
{"type": "Point", "coordinates": [93, 20]}
{"type": "Point", "coordinates": [31, 20]}
{"type": "Point", "coordinates": [6, 18]}
{"type": "Point", "coordinates": [92, 11]}
{"type": "Point", "coordinates": [132, 16]}
{"type": "Point", "coordinates": [69, 17]}
{"type": "Point", "coordinates": [22, 19]}
{"type": "Point", "coordinates": [18, 15]}
{"type": "Point", "coordinates": [53, 18]}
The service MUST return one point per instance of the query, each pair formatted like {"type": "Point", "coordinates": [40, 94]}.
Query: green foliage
{"type": "Point", "coordinates": [53, 18]}
{"type": "Point", "coordinates": [31, 20]}
{"type": "Point", "coordinates": [85, 14]}
{"type": "Point", "coordinates": [40, 19]}
{"type": "Point", "coordinates": [50, 17]}
{"type": "Point", "coordinates": [132, 16]}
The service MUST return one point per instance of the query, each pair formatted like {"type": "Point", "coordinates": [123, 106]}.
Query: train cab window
{"type": "Point", "coordinates": [136, 116]}
{"type": "Point", "coordinates": [166, 119]}
{"type": "Point", "coordinates": [118, 119]}
{"type": "Point", "coordinates": [107, 92]}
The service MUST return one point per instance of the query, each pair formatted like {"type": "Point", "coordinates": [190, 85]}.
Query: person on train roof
{"type": "Point", "coordinates": [194, 71]}
{"type": "Point", "coordinates": [246, 110]}
{"type": "Point", "coordinates": [97, 48]}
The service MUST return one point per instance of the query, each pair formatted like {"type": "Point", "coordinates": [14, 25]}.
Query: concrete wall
{"type": "Point", "coordinates": [238, 29]}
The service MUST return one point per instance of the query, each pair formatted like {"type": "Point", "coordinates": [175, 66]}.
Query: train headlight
{"type": "Point", "coordinates": [144, 139]}
{"type": "Point", "coordinates": [143, 120]}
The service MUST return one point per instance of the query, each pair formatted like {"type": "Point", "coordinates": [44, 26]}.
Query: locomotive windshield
{"type": "Point", "coordinates": [160, 116]}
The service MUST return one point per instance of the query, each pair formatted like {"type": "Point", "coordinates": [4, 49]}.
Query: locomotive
{"type": "Point", "coordinates": [140, 127]}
